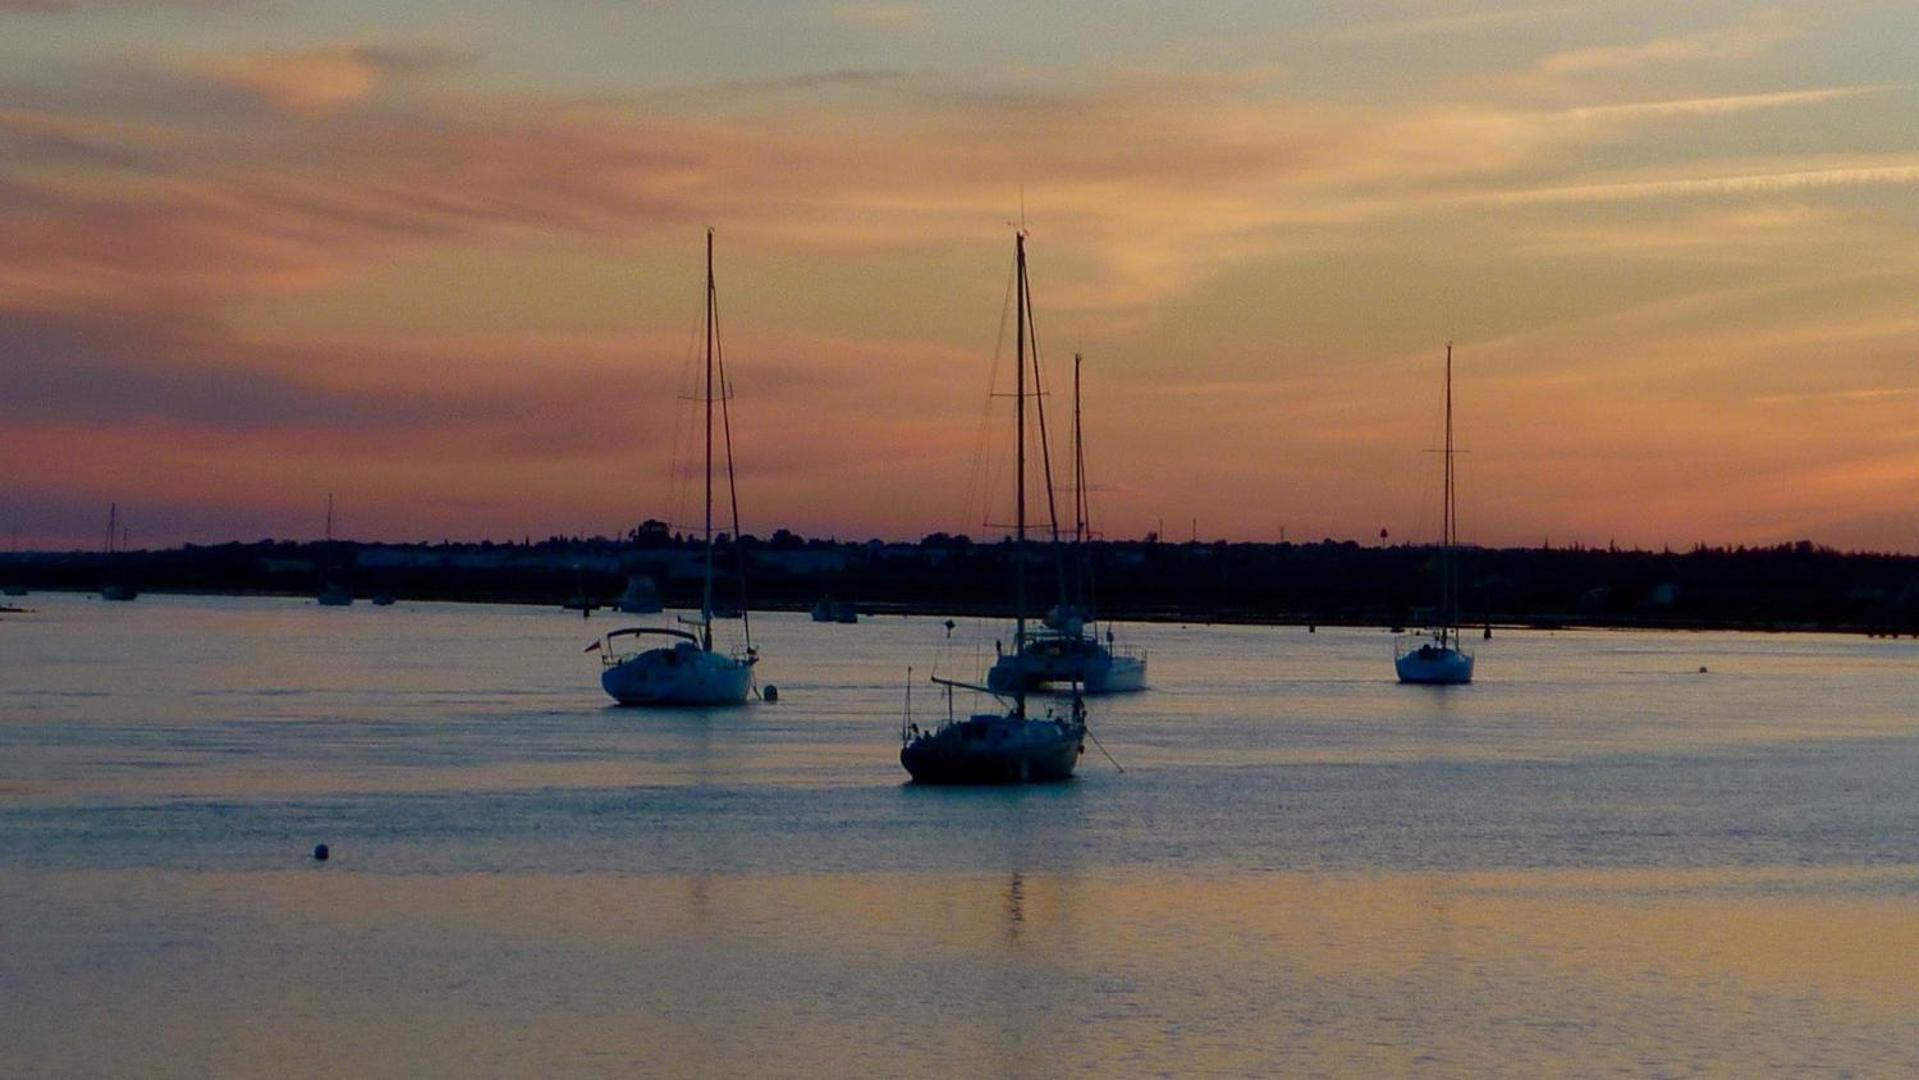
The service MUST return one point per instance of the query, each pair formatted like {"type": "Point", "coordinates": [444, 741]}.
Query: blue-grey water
{"type": "Point", "coordinates": [1597, 859]}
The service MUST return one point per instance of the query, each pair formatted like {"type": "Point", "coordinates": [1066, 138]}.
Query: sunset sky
{"type": "Point", "coordinates": [443, 259]}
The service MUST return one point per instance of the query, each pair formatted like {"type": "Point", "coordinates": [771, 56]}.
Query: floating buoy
{"type": "Point", "coordinates": [320, 853]}
{"type": "Point", "coordinates": [769, 693]}
{"type": "Point", "coordinates": [1311, 629]}
{"type": "Point", "coordinates": [1702, 669]}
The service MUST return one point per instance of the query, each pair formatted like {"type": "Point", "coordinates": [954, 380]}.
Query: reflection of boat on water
{"type": "Point", "coordinates": [1068, 648]}
{"type": "Point", "coordinates": [1440, 659]}
{"type": "Point", "coordinates": [641, 597]}
{"type": "Point", "coordinates": [835, 611]}
{"type": "Point", "coordinates": [1010, 746]}
{"type": "Point", "coordinates": [687, 670]}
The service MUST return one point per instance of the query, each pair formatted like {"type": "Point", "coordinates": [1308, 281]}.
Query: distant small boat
{"type": "Point", "coordinates": [835, 611]}
{"type": "Point", "coordinates": [641, 597]}
{"type": "Point", "coordinates": [1008, 747]}
{"type": "Point", "coordinates": [112, 590]}
{"type": "Point", "coordinates": [382, 599]}
{"type": "Point", "coordinates": [1441, 659]}
{"type": "Point", "coordinates": [331, 594]}
{"type": "Point", "coordinates": [14, 590]}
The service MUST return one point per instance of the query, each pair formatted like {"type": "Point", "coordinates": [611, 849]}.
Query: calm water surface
{"type": "Point", "coordinates": [1596, 860]}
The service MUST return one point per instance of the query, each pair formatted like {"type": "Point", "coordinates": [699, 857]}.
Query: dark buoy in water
{"type": "Point", "coordinates": [320, 853]}
{"type": "Point", "coordinates": [769, 693]}
{"type": "Point", "coordinates": [1702, 669]}
{"type": "Point", "coordinates": [1311, 629]}
{"type": "Point", "coordinates": [949, 628]}
{"type": "Point", "coordinates": [1489, 632]}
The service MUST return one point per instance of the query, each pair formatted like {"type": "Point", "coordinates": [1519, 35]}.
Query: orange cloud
{"type": "Point", "coordinates": [320, 82]}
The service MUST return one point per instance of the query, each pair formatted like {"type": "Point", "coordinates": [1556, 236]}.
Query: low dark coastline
{"type": "Point", "coordinates": [1792, 587]}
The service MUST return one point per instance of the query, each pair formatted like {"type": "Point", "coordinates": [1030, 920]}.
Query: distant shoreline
{"type": "Point", "coordinates": [1470, 630]}
{"type": "Point", "coordinates": [1790, 588]}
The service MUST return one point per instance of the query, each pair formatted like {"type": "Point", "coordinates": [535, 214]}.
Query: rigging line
{"type": "Point", "coordinates": [1083, 503]}
{"type": "Point", "coordinates": [1103, 750]}
{"type": "Point", "coordinates": [979, 481]}
{"type": "Point", "coordinates": [1045, 446]}
{"type": "Point", "coordinates": [732, 488]}
{"type": "Point", "coordinates": [679, 464]}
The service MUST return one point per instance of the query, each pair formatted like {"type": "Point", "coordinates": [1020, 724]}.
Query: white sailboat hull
{"type": "Point", "coordinates": [679, 675]}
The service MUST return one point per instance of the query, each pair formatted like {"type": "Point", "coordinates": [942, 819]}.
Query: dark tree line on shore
{"type": "Point", "coordinates": [1791, 586]}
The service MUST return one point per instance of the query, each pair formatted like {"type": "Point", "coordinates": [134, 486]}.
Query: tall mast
{"type": "Point", "coordinates": [113, 525]}
{"type": "Point", "coordinates": [329, 517]}
{"type": "Point", "coordinates": [732, 480]}
{"type": "Point", "coordinates": [1079, 463]}
{"type": "Point", "coordinates": [1079, 494]}
{"type": "Point", "coordinates": [1019, 500]}
{"type": "Point", "coordinates": [1450, 524]}
{"type": "Point", "coordinates": [706, 596]}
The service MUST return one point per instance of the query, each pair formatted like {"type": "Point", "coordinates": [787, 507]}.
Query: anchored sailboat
{"type": "Point", "coordinates": [1066, 648]}
{"type": "Point", "coordinates": [112, 590]}
{"type": "Point", "coordinates": [331, 594]}
{"type": "Point", "coordinates": [687, 670]}
{"type": "Point", "coordinates": [1013, 746]}
{"type": "Point", "coordinates": [1441, 658]}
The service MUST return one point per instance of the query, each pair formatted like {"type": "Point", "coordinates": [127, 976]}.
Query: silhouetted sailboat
{"type": "Point", "coordinates": [12, 589]}
{"type": "Point", "coordinates": [688, 671]}
{"type": "Point", "coordinates": [331, 594]}
{"type": "Point", "coordinates": [1008, 747]}
{"type": "Point", "coordinates": [1066, 649]}
{"type": "Point", "coordinates": [114, 590]}
{"type": "Point", "coordinates": [1441, 658]}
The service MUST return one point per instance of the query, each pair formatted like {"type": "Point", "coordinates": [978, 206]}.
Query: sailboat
{"type": "Point", "coordinates": [1067, 647]}
{"type": "Point", "coordinates": [12, 589]}
{"type": "Point", "coordinates": [331, 595]}
{"type": "Point", "coordinates": [1011, 746]}
{"type": "Point", "coordinates": [114, 590]}
{"type": "Point", "coordinates": [1441, 658]}
{"type": "Point", "coordinates": [687, 670]}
